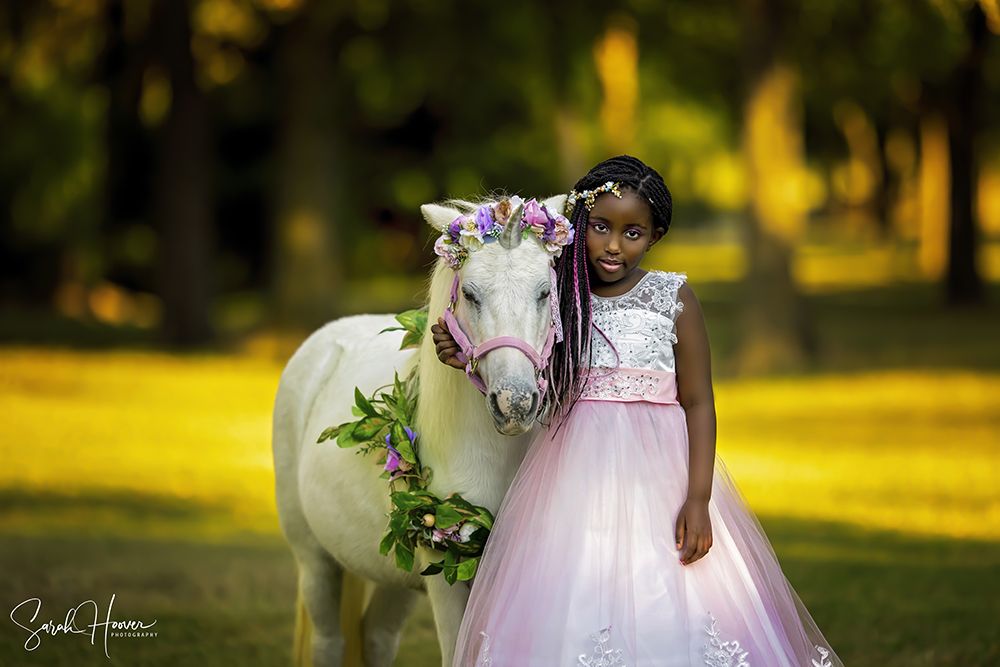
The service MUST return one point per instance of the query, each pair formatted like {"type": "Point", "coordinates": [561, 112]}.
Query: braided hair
{"type": "Point", "coordinates": [572, 355]}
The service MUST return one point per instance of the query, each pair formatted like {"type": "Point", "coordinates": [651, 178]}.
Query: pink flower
{"type": "Point", "coordinates": [535, 218]}
{"type": "Point", "coordinates": [562, 236]}
{"type": "Point", "coordinates": [442, 534]}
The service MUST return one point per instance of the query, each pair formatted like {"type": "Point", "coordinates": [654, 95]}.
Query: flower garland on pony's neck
{"type": "Point", "coordinates": [468, 233]}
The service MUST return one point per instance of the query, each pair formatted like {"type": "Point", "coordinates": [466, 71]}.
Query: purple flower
{"type": "Point", "coordinates": [455, 229]}
{"type": "Point", "coordinates": [484, 220]}
{"type": "Point", "coordinates": [392, 461]}
{"type": "Point", "coordinates": [449, 533]}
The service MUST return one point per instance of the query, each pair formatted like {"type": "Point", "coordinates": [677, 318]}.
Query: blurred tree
{"type": "Point", "coordinates": [182, 192]}
{"type": "Point", "coordinates": [308, 264]}
{"type": "Point", "coordinates": [963, 112]}
{"type": "Point", "coordinates": [774, 332]}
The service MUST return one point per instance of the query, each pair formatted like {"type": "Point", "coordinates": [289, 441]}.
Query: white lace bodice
{"type": "Point", "coordinates": [639, 323]}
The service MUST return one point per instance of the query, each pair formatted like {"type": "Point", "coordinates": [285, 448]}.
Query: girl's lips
{"type": "Point", "coordinates": [610, 267]}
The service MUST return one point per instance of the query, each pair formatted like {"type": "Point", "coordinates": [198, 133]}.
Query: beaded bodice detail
{"type": "Point", "coordinates": [639, 324]}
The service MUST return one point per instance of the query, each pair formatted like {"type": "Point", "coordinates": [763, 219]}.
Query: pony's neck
{"type": "Point", "coordinates": [457, 437]}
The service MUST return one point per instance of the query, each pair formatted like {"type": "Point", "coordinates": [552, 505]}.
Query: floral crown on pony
{"type": "Point", "coordinates": [470, 232]}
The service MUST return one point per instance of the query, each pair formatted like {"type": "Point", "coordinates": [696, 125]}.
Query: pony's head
{"type": "Point", "coordinates": [503, 293]}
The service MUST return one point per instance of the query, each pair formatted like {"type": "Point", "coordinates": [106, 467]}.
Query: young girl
{"type": "Point", "coordinates": [598, 554]}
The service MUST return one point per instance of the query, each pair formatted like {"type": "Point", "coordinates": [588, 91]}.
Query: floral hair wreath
{"type": "Point", "coordinates": [590, 196]}
{"type": "Point", "coordinates": [471, 232]}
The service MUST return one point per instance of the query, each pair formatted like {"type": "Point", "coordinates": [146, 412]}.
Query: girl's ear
{"type": "Point", "coordinates": [556, 204]}
{"type": "Point", "coordinates": [439, 217]}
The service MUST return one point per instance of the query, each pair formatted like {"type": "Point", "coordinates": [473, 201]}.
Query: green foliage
{"type": "Point", "coordinates": [418, 517]}
{"type": "Point", "coordinates": [414, 323]}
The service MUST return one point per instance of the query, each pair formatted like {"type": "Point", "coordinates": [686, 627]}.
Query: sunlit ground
{"type": "Point", "coordinates": [149, 475]}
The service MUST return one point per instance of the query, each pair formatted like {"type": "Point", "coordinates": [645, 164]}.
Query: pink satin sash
{"type": "Point", "coordinates": [630, 385]}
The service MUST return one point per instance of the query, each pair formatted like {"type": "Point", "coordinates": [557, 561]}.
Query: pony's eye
{"type": "Point", "coordinates": [470, 298]}
{"type": "Point", "coordinates": [544, 295]}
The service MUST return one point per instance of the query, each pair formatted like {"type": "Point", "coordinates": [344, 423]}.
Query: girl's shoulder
{"type": "Point", "coordinates": [668, 280]}
{"type": "Point", "coordinates": [656, 291]}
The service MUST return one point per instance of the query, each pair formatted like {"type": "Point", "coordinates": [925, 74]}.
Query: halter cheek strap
{"type": "Point", "coordinates": [471, 354]}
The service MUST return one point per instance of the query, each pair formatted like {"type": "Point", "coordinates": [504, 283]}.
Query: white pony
{"type": "Point", "coordinates": [331, 503]}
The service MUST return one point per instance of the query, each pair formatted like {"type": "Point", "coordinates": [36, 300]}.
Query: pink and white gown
{"type": "Point", "coordinates": [581, 568]}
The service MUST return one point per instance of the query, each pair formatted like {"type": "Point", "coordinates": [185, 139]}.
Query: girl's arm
{"type": "Point", "coordinates": [694, 392]}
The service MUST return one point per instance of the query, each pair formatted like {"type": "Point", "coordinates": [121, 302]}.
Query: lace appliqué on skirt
{"type": "Point", "coordinates": [484, 659]}
{"type": "Point", "coordinates": [823, 658]}
{"type": "Point", "coordinates": [723, 654]}
{"type": "Point", "coordinates": [603, 655]}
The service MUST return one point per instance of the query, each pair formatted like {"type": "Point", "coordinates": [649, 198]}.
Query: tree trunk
{"type": "Point", "coordinates": [308, 274]}
{"type": "Point", "coordinates": [963, 282]}
{"type": "Point", "coordinates": [774, 328]}
{"type": "Point", "coordinates": [182, 191]}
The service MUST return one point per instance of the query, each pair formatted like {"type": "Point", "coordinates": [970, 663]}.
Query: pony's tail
{"type": "Point", "coordinates": [302, 639]}
{"type": "Point", "coordinates": [352, 603]}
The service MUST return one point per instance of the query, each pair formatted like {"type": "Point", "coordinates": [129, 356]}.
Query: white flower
{"type": "Point", "coordinates": [466, 531]}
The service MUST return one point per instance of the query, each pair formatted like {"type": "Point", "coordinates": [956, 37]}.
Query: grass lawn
{"type": "Point", "coordinates": [148, 476]}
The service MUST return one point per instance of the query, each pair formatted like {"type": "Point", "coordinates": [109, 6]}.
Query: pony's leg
{"type": "Point", "coordinates": [382, 627]}
{"type": "Point", "coordinates": [321, 584]}
{"type": "Point", "coordinates": [449, 605]}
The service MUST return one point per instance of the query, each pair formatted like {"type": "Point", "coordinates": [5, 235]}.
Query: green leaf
{"type": "Point", "coordinates": [387, 541]}
{"type": "Point", "coordinates": [413, 320]}
{"type": "Point", "coordinates": [484, 519]}
{"type": "Point", "coordinates": [445, 516]}
{"type": "Point", "coordinates": [402, 443]}
{"type": "Point", "coordinates": [404, 557]}
{"type": "Point", "coordinates": [411, 339]}
{"type": "Point", "coordinates": [346, 437]}
{"type": "Point", "coordinates": [369, 427]}
{"type": "Point", "coordinates": [357, 412]}
{"type": "Point", "coordinates": [433, 568]}
{"type": "Point", "coordinates": [450, 559]}
{"type": "Point", "coordinates": [331, 432]}
{"type": "Point", "coordinates": [458, 502]}
{"type": "Point", "coordinates": [399, 522]}
{"type": "Point", "coordinates": [363, 403]}
{"type": "Point", "coordinates": [451, 575]}
{"type": "Point", "coordinates": [389, 400]}
{"type": "Point", "coordinates": [405, 500]}
{"type": "Point", "coordinates": [466, 570]}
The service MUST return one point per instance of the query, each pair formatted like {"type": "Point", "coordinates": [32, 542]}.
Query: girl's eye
{"type": "Point", "coordinates": [599, 227]}
{"type": "Point", "coordinates": [632, 234]}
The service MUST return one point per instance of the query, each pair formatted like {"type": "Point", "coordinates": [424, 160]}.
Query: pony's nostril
{"type": "Point", "coordinates": [534, 403]}
{"type": "Point", "coordinates": [494, 404]}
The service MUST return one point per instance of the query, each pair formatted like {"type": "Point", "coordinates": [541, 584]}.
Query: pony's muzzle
{"type": "Point", "coordinates": [513, 408]}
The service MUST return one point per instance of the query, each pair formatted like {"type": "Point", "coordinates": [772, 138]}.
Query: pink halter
{"type": "Point", "coordinates": [471, 354]}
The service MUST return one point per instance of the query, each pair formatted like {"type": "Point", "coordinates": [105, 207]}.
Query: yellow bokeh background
{"type": "Point", "coordinates": [910, 451]}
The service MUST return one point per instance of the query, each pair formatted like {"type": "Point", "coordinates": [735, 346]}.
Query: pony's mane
{"type": "Point", "coordinates": [472, 203]}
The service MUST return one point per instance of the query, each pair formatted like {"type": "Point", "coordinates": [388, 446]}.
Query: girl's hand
{"type": "Point", "coordinates": [694, 531]}
{"type": "Point", "coordinates": [445, 345]}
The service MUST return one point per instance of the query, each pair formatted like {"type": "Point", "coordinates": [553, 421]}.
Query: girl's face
{"type": "Point", "coordinates": [619, 232]}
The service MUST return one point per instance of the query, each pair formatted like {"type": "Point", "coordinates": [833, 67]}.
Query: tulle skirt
{"type": "Point", "coordinates": [581, 568]}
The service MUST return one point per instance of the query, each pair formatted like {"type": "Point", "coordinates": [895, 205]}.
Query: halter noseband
{"type": "Point", "coordinates": [471, 354]}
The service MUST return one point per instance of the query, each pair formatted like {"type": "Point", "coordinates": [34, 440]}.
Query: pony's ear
{"type": "Point", "coordinates": [439, 217]}
{"type": "Point", "coordinates": [557, 203]}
